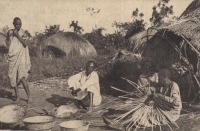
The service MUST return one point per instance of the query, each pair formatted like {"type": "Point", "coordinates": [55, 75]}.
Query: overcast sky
{"type": "Point", "coordinates": [36, 14]}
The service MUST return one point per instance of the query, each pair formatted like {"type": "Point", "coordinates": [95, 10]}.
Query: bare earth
{"type": "Point", "coordinates": [50, 93]}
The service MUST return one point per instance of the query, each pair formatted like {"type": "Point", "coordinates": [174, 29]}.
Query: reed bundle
{"type": "Point", "coordinates": [143, 116]}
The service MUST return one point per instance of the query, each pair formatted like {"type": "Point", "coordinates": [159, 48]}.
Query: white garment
{"type": "Point", "coordinates": [86, 84]}
{"type": "Point", "coordinates": [19, 60]}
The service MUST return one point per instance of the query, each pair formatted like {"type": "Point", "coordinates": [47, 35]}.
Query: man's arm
{"type": "Point", "coordinates": [15, 32]}
{"type": "Point", "coordinates": [72, 81]}
{"type": "Point", "coordinates": [175, 96]}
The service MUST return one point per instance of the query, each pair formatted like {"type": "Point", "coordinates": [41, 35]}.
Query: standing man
{"type": "Point", "coordinates": [18, 58]}
{"type": "Point", "coordinates": [86, 83]}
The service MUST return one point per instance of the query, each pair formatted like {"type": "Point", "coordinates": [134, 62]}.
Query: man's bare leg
{"type": "Point", "coordinates": [91, 101]}
{"type": "Point", "coordinates": [25, 85]}
{"type": "Point", "coordinates": [16, 88]}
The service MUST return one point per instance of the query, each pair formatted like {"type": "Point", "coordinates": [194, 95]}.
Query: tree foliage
{"type": "Point", "coordinates": [116, 39]}
{"type": "Point", "coordinates": [96, 38]}
{"type": "Point", "coordinates": [105, 42]}
{"type": "Point", "coordinates": [160, 11]}
{"type": "Point", "coordinates": [52, 29]}
{"type": "Point", "coordinates": [131, 28]}
{"type": "Point", "coordinates": [37, 43]}
{"type": "Point", "coordinates": [77, 29]}
{"type": "Point", "coordinates": [4, 30]}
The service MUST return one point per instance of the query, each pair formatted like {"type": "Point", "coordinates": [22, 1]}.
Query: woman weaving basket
{"type": "Point", "coordinates": [158, 109]}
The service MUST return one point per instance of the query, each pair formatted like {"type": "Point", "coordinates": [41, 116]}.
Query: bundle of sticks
{"type": "Point", "coordinates": [143, 116]}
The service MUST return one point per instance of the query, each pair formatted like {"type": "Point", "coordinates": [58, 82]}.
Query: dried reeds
{"type": "Point", "coordinates": [143, 116]}
{"type": "Point", "coordinates": [135, 85]}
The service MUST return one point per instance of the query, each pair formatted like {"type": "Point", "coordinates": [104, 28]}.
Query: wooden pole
{"type": "Point", "coordinates": [191, 45]}
{"type": "Point", "coordinates": [198, 92]}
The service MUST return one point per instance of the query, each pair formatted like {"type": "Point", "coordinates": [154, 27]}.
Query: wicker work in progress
{"type": "Point", "coordinates": [144, 116]}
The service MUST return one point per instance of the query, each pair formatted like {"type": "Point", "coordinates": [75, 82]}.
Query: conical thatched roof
{"type": "Point", "coordinates": [71, 44]}
{"type": "Point", "coordinates": [188, 26]}
{"type": "Point", "coordinates": [138, 40]}
{"type": "Point", "coordinates": [176, 43]}
{"type": "Point", "coordinates": [191, 10]}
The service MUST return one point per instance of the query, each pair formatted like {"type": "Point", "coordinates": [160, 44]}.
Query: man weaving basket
{"type": "Point", "coordinates": [159, 108]}
{"type": "Point", "coordinates": [168, 97]}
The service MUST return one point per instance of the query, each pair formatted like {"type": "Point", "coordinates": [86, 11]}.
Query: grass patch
{"type": "Point", "coordinates": [4, 80]}
{"type": "Point", "coordinates": [46, 67]}
{"type": "Point", "coordinates": [55, 67]}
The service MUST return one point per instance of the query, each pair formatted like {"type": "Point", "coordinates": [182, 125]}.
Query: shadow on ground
{"type": "Point", "coordinates": [58, 100]}
{"type": "Point", "coordinates": [5, 93]}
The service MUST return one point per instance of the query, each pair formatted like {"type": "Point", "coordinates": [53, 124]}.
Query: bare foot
{"type": "Point", "coordinates": [90, 109]}
{"type": "Point", "coordinates": [17, 100]}
{"type": "Point", "coordinates": [29, 101]}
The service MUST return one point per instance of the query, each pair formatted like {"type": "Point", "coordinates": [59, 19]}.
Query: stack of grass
{"type": "Point", "coordinates": [3, 63]}
{"type": "Point", "coordinates": [69, 44]}
{"type": "Point", "coordinates": [3, 46]}
{"type": "Point", "coordinates": [3, 40]}
{"type": "Point", "coordinates": [144, 116]}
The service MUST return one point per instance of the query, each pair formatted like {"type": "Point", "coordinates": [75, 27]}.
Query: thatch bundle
{"type": "Point", "coordinates": [189, 29]}
{"type": "Point", "coordinates": [3, 45]}
{"type": "Point", "coordinates": [2, 40]}
{"type": "Point", "coordinates": [70, 44]}
{"type": "Point", "coordinates": [139, 40]}
{"type": "Point", "coordinates": [191, 10]}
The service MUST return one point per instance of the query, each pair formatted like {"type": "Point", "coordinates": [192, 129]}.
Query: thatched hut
{"type": "Point", "coordinates": [69, 44]}
{"type": "Point", "coordinates": [176, 43]}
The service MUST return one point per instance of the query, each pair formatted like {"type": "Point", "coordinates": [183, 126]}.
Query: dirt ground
{"type": "Point", "coordinates": [50, 93]}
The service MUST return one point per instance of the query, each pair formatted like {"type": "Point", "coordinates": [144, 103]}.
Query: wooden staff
{"type": "Point", "coordinates": [134, 85]}
{"type": "Point", "coordinates": [120, 90]}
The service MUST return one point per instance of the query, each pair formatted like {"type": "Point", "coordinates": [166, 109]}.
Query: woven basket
{"type": "Point", "coordinates": [12, 114]}
{"type": "Point", "coordinates": [39, 123]}
{"type": "Point", "coordinates": [74, 125]}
